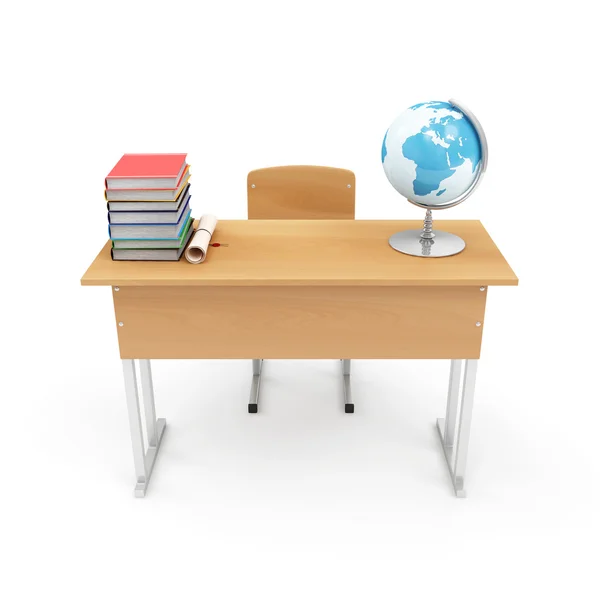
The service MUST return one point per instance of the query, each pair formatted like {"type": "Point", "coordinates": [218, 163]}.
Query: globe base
{"type": "Point", "coordinates": [442, 244]}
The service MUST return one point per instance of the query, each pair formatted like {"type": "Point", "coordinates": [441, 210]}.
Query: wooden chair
{"type": "Point", "coordinates": [300, 192]}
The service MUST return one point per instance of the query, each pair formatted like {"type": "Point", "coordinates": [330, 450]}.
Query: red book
{"type": "Point", "coordinates": [147, 172]}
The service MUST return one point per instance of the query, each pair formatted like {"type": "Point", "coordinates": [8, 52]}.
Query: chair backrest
{"type": "Point", "coordinates": [301, 192]}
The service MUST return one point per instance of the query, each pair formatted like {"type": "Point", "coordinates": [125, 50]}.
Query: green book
{"type": "Point", "coordinates": [155, 244]}
{"type": "Point", "coordinates": [154, 253]}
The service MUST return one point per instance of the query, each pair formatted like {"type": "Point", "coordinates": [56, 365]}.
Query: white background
{"type": "Point", "coordinates": [301, 500]}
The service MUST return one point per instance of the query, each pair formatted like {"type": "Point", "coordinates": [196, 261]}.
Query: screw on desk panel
{"type": "Point", "coordinates": [482, 289]}
{"type": "Point", "coordinates": [116, 289]}
{"type": "Point", "coordinates": [348, 186]}
{"type": "Point", "coordinates": [478, 324]}
{"type": "Point", "coordinates": [120, 323]}
{"type": "Point", "coordinates": [252, 186]}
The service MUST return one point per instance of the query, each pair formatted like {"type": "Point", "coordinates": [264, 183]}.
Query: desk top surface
{"type": "Point", "coordinates": [344, 252]}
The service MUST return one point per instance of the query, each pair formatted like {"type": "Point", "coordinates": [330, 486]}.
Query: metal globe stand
{"type": "Point", "coordinates": [427, 242]}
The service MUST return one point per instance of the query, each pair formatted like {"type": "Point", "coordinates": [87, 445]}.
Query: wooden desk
{"type": "Point", "coordinates": [306, 289]}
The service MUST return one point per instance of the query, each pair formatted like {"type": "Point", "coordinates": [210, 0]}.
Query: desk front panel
{"type": "Point", "coordinates": [299, 322]}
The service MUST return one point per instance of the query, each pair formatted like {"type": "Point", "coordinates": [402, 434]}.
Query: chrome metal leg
{"type": "Point", "coordinates": [148, 398]}
{"type": "Point", "coordinates": [348, 404]}
{"type": "Point", "coordinates": [464, 423]}
{"type": "Point", "coordinates": [143, 459]}
{"type": "Point", "coordinates": [254, 390]}
{"type": "Point", "coordinates": [456, 447]}
{"type": "Point", "coordinates": [135, 422]}
{"type": "Point", "coordinates": [452, 405]}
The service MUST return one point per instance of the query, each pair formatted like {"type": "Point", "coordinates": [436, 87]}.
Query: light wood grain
{"type": "Point", "coordinates": [306, 322]}
{"type": "Point", "coordinates": [301, 192]}
{"type": "Point", "coordinates": [313, 253]}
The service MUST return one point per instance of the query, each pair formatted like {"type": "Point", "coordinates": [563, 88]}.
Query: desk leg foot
{"type": "Point", "coordinates": [150, 459]}
{"type": "Point", "coordinates": [455, 446]}
{"type": "Point", "coordinates": [348, 404]}
{"type": "Point", "coordinates": [143, 459]}
{"type": "Point", "coordinates": [255, 389]}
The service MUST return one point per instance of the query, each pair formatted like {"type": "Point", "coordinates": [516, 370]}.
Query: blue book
{"type": "Point", "coordinates": [149, 232]}
{"type": "Point", "coordinates": [155, 244]}
{"type": "Point", "coordinates": [143, 217]}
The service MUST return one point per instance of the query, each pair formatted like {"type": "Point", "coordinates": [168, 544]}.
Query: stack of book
{"type": "Point", "coordinates": [148, 200]}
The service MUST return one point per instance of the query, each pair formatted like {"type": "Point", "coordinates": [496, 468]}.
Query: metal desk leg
{"type": "Point", "coordinates": [456, 447]}
{"type": "Point", "coordinates": [254, 390]}
{"type": "Point", "coordinates": [143, 459]}
{"type": "Point", "coordinates": [452, 405]}
{"type": "Point", "coordinates": [348, 404]}
{"type": "Point", "coordinates": [148, 398]}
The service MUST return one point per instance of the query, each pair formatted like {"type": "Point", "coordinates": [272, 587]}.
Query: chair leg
{"type": "Point", "coordinates": [254, 390]}
{"type": "Point", "coordinates": [348, 404]}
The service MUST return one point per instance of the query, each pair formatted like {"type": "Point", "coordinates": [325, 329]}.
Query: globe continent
{"type": "Point", "coordinates": [430, 153]}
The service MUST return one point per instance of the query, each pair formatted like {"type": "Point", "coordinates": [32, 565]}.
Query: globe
{"type": "Point", "coordinates": [434, 154]}
{"type": "Point", "coordinates": [431, 154]}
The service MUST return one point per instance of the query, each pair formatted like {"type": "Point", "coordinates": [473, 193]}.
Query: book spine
{"type": "Point", "coordinates": [184, 173]}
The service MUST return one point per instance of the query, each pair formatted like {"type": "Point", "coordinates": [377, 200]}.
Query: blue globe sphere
{"type": "Point", "coordinates": [432, 154]}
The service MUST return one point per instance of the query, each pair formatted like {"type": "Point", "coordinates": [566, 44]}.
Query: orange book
{"type": "Point", "coordinates": [147, 172]}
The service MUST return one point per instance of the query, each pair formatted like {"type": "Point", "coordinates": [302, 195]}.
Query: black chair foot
{"type": "Point", "coordinates": [252, 408]}
{"type": "Point", "coordinates": [349, 408]}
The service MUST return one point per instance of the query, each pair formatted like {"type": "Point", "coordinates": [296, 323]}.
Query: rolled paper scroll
{"type": "Point", "coordinates": [196, 250]}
